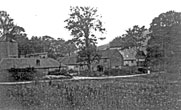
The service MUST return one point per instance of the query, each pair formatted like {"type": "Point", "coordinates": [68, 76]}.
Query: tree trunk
{"type": "Point", "coordinates": [89, 65]}
{"type": "Point", "coordinates": [88, 49]}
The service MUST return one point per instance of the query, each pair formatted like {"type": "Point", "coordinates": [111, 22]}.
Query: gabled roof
{"type": "Point", "coordinates": [68, 60]}
{"type": "Point", "coordinates": [128, 54]}
{"type": "Point", "coordinates": [140, 55]}
{"type": "Point", "coordinates": [7, 63]}
{"type": "Point", "coordinates": [109, 53]}
{"type": "Point", "coordinates": [114, 55]}
{"type": "Point", "coordinates": [132, 54]}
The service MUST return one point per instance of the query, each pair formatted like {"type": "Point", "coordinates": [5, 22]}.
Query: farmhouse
{"type": "Point", "coordinates": [9, 59]}
{"type": "Point", "coordinates": [131, 56]}
{"type": "Point", "coordinates": [108, 59]}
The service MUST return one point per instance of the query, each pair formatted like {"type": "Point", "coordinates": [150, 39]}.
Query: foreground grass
{"type": "Point", "coordinates": [138, 93]}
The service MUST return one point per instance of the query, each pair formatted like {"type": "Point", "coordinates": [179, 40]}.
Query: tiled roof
{"type": "Point", "coordinates": [108, 53]}
{"type": "Point", "coordinates": [68, 60]}
{"type": "Point", "coordinates": [131, 54]}
{"type": "Point", "coordinates": [128, 54]}
{"type": "Point", "coordinates": [140, 55]}
{"type": "Point", "coordinates": [7, 63]}
{"type": "Point", "coordinates": [114, 55]}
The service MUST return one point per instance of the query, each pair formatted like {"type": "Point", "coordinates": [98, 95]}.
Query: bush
{"type": "Point", "coordinates": [117, 72]}
{"type": "Point", "coordinates": [58, 72]}
{"type": "Point", "coordinates": [142, 70]}
{"type": "Point", "coordinates": [63, 72]}
{"type": "Point", "coordinates": [25, 74]}
{"type": "Point", "coordinates": [90, 74]}
{"type": "Point", "coordinates": [72, 71]}
{"type": "Point", "coordinates": [107, 72]}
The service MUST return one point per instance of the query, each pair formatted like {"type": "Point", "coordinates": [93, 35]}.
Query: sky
{"type": "Point", "coordinates": [46, 17]}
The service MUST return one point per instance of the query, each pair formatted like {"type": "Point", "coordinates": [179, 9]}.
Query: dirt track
{"type": "Point", "coordinates": [74, 78]}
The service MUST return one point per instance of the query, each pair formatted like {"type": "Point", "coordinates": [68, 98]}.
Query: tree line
{"type": "Point", "coordinates": [163, 46]}
{"type": "Point", "coordinates": [163, 41]}
{"type": "Point", "coordinates": [55, 48]}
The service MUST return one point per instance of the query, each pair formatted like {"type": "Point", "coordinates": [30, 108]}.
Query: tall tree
{"type": "Point", "coordinates": [47, 42]}
{"type": "Point", "coordinates": [134, 38]}
{"type": "Point", "coordinates": [36, 44]}
{"type": "Point", "coordinates": [165, 38]}
{"type": "Point", "coordinates": [6, 23]}
{"type": "Point", "coordinates": [10, 32]}
{"type": "Point", "coordinates": [24, 46]}
{"type": "Point", "coordinates": [70, 47]}
{"type": "Point", "coordinates": [82, 23]}
{"type": "Point", "coordinates": [54, 47]}
{"type": "Point", "coordinates": [18, 34]}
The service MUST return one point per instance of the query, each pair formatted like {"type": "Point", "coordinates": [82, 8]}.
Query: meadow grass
{"type": "Point", "coordinates": [137, 93]}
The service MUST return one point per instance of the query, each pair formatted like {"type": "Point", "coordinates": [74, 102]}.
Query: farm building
{"type": "Point", "coordinates": [9, 59]}
{"type": "Point", "coordinates": [70, 62]}
{"type": "Point", "coordinates": [109, 59]}
{"type": "Point", "coordinates": [131, 58]}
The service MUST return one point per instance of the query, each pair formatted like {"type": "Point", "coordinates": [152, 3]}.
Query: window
{"type": "Point", "coordinates": [105, 60]}
{"type": "Point", "coordinates": [38, 62]}
{"type": "Point", "coordinates": [100, 68]}
{"type": "Point", "coordinates": [117, 67]}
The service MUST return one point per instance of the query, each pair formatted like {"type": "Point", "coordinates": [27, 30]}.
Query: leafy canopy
{"type": "Point", "coordinates": [134, 38]}
{"type": "Point", "coordinates": [165, 38]}
{"type": "Point", "coordinates": [83, 24]}
{"type": "Point", "coordinates": [8, 30]}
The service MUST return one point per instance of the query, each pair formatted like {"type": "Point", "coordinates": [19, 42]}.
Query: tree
{"type": "Point", "coordinates": [164, 43]}
{"type": "Point", "coordinates": [8, 30]}
{"type": "Point", "coordinates": [58, 47]}
{"type": "Point", "coordinates": [82, 23]}
{"type": "Point", "coordinates": [18, 34]}
{"type": "Point", "coordinates": [47, 42]}
{"type": "Point", "coordinates": [70, 47]}
{"type": "Point", "coordinates": [6, 24]}
{"type": "Point", "coordinates": [36, 44]}
{"type": "Point", "coordinates": [23, 44]}
{"type": "Point", "coordinates": [134, 38]}
{"type": "Point", "coordinates": [54, 47]}
{"type": "Point", "coordinates": [117, 42]}
{"type": "Point", "coordinates": [11, 32]}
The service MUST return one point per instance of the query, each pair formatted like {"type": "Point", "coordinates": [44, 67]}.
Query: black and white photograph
{"type": "Point", "coordinates": [90, 55]}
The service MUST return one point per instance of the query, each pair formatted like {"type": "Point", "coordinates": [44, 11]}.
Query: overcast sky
{"type": "Point", "coordinates": [46, 17]}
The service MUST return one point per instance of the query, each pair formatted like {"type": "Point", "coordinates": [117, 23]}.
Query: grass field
{"type": "Point", "coordinates": [137, 93]}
